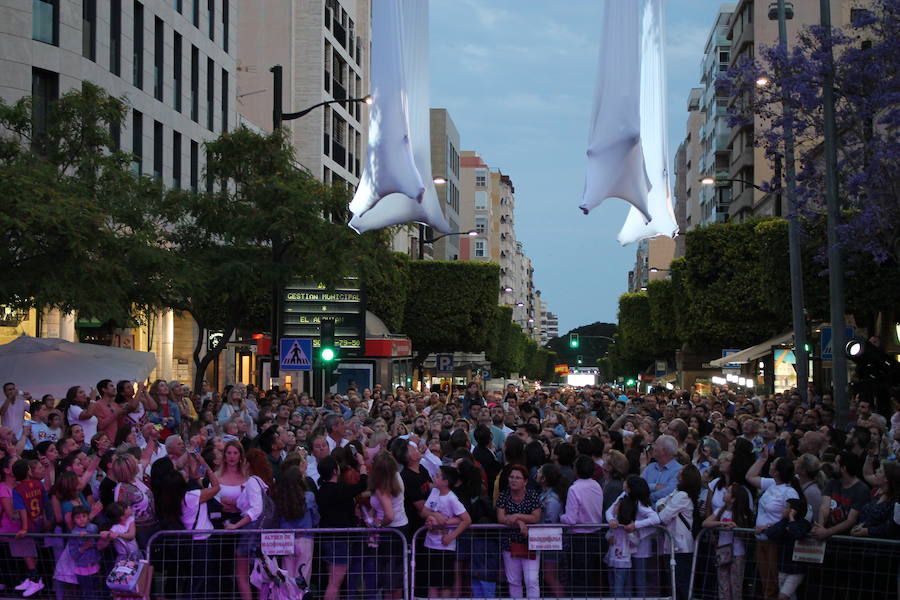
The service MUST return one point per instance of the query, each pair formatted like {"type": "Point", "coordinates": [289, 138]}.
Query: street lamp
{"type": "Point", "coordinates": [658, 270]}
{"type": "Point", "coordinates": [278, 117]}
{"type": "Point", "coordinates": [423, 241]}
{"type": "Point", "coordinates": [715, 181]}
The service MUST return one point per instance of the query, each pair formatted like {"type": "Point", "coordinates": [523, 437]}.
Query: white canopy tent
{"type": "Point", "coordinates": [51, 366]}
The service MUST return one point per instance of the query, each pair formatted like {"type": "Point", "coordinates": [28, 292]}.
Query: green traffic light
{"type": "Point", "coordinates": [327, 354]}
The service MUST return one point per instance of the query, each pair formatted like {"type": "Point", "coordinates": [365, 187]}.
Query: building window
{"type": "Point", "coordinates": [481, 200]}
{"type": "Point", "coordinates": [481, 224]}
{"type": "Point", "coordinates": [137, 59]}
{"type": "Point", "coordinates": [115, 136]}
{"type": "Point", "coordinates": [195, 84]}
{"type": "Point", "coordinates": [137, 142]}
{"type": "Point", "coordinates": [176, 59]}
{"type": "Point", "coordinates": [158, 58]}
{"type": "Point", "coordinates": [157, 150]}
{"type": "Point", "coordinates": [45, 21]}
{"type": "Point", "coordinates": [208, 178]}
{"type": "Point", "coordinates": [479, 248]}
{"type": "Point", "coordinates": [176, 160]}
{"type": "Point", "coordinates": [176, 4]}
{"type": "Point", "coordinates": [225, 25]}
{"type": "Point", "coordinates": [195, 165]}
{"type": "Point", "coordinates": [211, 18]}
{"type": "Point", "coordinates": [195, 13]}
{"type": "Point", "coordinates": [224, 100]}
{"type": "Point", "coordinates": [44, 92]}
{"type": "Point", "coordinates": [481, 178]}
{"type": "Point", "coordinates": [89, 29]}
{"type": "Point", "coordinates": [210, 93]}
{"type": "Point", "coordinates": [115, 37]}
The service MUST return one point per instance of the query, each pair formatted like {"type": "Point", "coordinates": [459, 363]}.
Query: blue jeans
{"type": "Point", "coordinates": [639, 569]}
{"type": "Point", "coordinates": [484, 589]}
{"type": "Point", "coordinates": [683, 563]}
{"type": "Point", "coordinates": [620, 579]}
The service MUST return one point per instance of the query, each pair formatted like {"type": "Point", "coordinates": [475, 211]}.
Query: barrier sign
{"type": "Point", "coordinates": [545, 538]}
{"type": "Point", "coordinates": [809, 551]}
{"type": "Point", "coordinates": [278, 543]}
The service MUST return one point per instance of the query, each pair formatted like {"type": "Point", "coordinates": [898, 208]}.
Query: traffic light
{"type": "Point", "coordinates": [630, 383]}
{"type": "Point", "coordinates": [328, 351]}
{"type": "Point", "coordinates": [809, 349]}
{"type": "Point", "coordinates": [573, 340]}
{"type": "Point", "coordinates": [580, 359]}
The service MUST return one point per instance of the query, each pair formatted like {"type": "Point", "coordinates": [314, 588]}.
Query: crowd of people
{"type": "Point", "coordinates": [120, 462]}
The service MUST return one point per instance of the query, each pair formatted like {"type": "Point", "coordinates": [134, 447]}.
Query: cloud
{"type": "Point", "coordinates": [487, 16]}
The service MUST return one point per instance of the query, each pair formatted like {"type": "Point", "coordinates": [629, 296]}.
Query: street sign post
{"type": "Point", "coordinates": [826, 341]}
{"type": "Point", "coordinates": [443, 363]}
{"type": "Point", "coordinates": [305, 305]}
{"type": "Point", "coordinates": [729, 352]}
{"type": "Point", "coordinates": [296, 354]}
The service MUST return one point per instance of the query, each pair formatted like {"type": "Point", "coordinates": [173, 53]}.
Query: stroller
{"type": "Point", "coordinates": [273, 582]}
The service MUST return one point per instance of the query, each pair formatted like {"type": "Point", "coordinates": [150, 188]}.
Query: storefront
{"type": "Point", "coordinates": [766, 368]}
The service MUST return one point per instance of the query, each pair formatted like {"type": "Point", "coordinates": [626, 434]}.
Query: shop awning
{"type": "Point", "coordinates": [753, 352]}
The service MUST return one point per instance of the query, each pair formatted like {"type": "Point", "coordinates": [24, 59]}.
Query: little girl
{"type": "Point", "coordinates": [730, 550]}
{"type": "Point", "coordinates": [631, 519]}
{"type": "Point", "coordinates": [85, 552]}
{"type": "Point", "coordinates": [122, 532]}
{"type": "Point", "coordinates": [446, 518]}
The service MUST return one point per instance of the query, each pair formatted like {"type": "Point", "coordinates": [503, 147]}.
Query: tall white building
{"type": "Point", "coordinates": [174, 62]}
{"type": "Point", "coordinates": [714, 132]}
{"type": "Point", "coordinates": [323, 47]}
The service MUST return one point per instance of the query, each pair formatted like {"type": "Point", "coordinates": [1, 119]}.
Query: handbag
{"type": "Point", "coordinates": [520, 550]}
{"type": "Point", "coordinates": [125, 575]}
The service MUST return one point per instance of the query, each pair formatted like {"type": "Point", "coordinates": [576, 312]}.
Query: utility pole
{"type": "Point", "coordinates": [797, 312]}
{"type": "Point", "coordinates": [835, 264]}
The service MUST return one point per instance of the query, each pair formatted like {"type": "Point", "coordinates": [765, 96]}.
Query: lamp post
{"type": "Point", "coordinates": [835, 264]}
{"type": "Point", "coordinates": [783, 13]}
{"type": "Point", "coordinates": [278, 117]}
{"type": "Point", "coordinates": [423, 241]}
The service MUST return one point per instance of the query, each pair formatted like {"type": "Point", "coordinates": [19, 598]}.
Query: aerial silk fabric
{"type": "Point", "coordinates": [627, 154]}
{"type": "Point", "coordinates": [654, 133]}
{"type": "Point", "coordinates": [396, 184]}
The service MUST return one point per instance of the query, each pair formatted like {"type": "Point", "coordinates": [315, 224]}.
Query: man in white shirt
{"type": "Point", "coordinates": [319, 451]}
{"type": "Point", "coordinates": [335, 428]}
{"type": "Point", "coordinates": [12, 411]}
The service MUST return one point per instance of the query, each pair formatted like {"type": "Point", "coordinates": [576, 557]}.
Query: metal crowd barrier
{"type": "Point", "coordinates": [55, 572]}
{"type": "Point", "coordinates": [557, 561]}
{"type": "Point", "coordinates": [358, 563]}
{"type": "Point", "coordinates": [735, 564]}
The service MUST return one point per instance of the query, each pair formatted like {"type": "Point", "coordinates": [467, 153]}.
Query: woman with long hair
{"type": "Point", "coordinates": [296, 508]}
{"type": "Point", "coordinates": [245, 509]}
{"type": "Point", "coordinates": [235, 407]}
{"type": "Point", "coordinates": [78, 408]}
{"type": "Point", "coordinates": [167, 412]}
{"type": "Point", "coordinates": [630, 512]}
{"type": "Point", "coordinates": [387, 504]}
{"type": "Point", "coordinates": [736, 511]}
{"type": "Point", "coordinates": [676, 513]}
{"type": "Point", "coordinates": [553, 501]}
{"type": "Point", "coordinates": [175, 502]}
{"type": "Point", "coordinates": [777, 490]}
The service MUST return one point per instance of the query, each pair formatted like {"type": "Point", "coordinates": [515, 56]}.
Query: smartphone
{"type": "Point", "coordinates": [353, 450]}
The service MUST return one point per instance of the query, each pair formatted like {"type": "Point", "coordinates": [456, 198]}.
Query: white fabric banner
{"type": "Point", "coordinates": [654, 131]}
{"type": "Point", "coordinates": [615, 166]}
{"type": "Point", "coordinates": [396, 184]}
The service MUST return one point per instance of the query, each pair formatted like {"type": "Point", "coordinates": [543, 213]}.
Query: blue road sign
{"type": "Point", "coordinates": [826, 339]}
{"type": "Point", "coordinates": [443, 363]}
{"type": "Point", "coordinates": [296, 354]}
{"type": "Point", "coordinates": [485, 374]}
{"type": "Point", "coordinates": [729, 352]}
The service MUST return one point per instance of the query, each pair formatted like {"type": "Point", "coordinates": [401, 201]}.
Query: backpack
{"type": "Point", "coordinates": [268, 519]}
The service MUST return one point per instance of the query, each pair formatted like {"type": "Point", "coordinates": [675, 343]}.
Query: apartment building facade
{"type": "Point", "coordinates": [174, 62]}
{"type": "Point", "coordinates": [445, 169]}
{"type": "Point", "coordinates": [323, 47]}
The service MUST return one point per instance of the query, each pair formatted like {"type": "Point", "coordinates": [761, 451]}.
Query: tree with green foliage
{"type": "Point", "coordinates": [81, 232]}
{"type": "Point", "coordinates": [267, 223]}
{"type": "Point", "coordinates": [450, 306]}
{"type": "Point", "coordinates": [387, 286]}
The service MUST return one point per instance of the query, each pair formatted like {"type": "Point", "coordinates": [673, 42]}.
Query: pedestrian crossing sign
{"type": "Point", "coordinates": [296, 354]}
